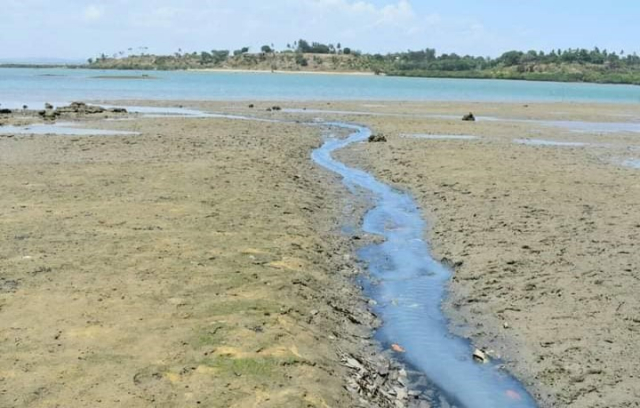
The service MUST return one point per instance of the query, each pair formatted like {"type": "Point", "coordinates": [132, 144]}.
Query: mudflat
{"type": "Point", "coordinates": [202, 262]}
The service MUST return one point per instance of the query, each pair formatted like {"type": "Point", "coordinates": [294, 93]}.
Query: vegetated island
{"type": "Point", "coordinates": [570, 65]}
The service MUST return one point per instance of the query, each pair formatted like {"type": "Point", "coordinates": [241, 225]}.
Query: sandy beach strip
{"type": "Point", "coordinates": [285, 72]}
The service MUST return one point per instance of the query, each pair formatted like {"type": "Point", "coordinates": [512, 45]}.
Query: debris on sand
{"type": "Point", "coordinates": [469, 117]}
{"type": "Point", "coordinates": [382, 382]}
{"type": "Point", "coordinates": [379, 138]}
{"type": "Point", "coordinates": [480, 356]}
{"type": "Point", "coordinates": [397, 348]}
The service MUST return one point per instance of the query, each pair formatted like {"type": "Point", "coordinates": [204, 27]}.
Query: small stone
{"type": "Point", "coordinates": [397, 348]}
{"type": "Point", "coordinates": [480, 356]}
{"type": "Point", "coordinates": [379, 138]}
{"type": "Point", "coordinates": [401, 393]}
{"type": "Point", "coordinates": [469, 117]}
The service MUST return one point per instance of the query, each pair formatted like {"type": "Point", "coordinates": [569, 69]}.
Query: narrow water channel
{"type": "Point", "coordinates": [409, 286]}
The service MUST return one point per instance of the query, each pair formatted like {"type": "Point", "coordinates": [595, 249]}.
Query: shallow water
{"type": "Point", "coordinates": [633, 163]}
{"type": "Point", "coordinates": [592, 127]}
{"type": "Point", "coordinates": [439, 137]}
{"type": "Point", "coordinates": [409, 287]}
{"type": "Point", "coordinates": [60, 129]}
{"type": "Point", "coordinates": [33, 87]}
{"type": "Point", "coordinates": [571, 125]}
{"type": "Point", "coordinates": [542, 142]}
{"type": "Point", "coordinates": [366, 113]}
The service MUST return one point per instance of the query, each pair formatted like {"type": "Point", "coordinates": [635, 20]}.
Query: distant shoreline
{"type": "Point", "coordinates": [264, 71]}
{"type": "Point", "coordinates": [461, 75]}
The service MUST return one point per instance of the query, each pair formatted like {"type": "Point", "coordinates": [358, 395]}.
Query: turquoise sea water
{"type": "Point", "coordinates": [35, 86]}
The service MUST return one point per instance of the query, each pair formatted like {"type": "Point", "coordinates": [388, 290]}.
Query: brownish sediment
{"type": "Point", "coordinates": [198, 264]}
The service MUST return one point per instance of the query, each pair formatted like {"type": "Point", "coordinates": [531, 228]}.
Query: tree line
{"type": "Point", "coordinates": [579, 64]}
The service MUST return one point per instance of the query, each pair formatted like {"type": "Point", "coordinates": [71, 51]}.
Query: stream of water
{"type": "Point", "coordinates": [409, 286]}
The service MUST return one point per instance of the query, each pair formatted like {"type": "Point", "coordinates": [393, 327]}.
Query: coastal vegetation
{"type": "Point", "coordinates": [570, 65]}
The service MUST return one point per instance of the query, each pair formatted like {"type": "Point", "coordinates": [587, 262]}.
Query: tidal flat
{"type": "Point", "coordinates": [204, 261]}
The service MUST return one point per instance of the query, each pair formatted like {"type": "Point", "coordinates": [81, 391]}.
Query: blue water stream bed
{"type": "Point", "coordinates": [409, 286]}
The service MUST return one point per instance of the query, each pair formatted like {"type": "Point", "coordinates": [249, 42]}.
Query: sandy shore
{"type": "Point", "coordinates": [288, 72]}
{"type": "Point", "coordinates": [203, 261]}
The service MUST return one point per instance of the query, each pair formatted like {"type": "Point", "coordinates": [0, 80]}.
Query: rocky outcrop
{"type": "Point", "coordinates": [76, 109]}
{"type": "Point", "coordinates": [81, 108]}
{"type": "Point", "coordinates": [48, 114]}
{"type": "Point", "coordinates": [379, 138]}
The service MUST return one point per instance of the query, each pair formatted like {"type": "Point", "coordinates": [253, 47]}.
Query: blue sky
{"type": "Point", "coordinates": [78, 29]}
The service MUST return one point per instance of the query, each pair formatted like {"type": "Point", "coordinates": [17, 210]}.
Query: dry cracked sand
{"type": "Point", "coordinates": [202, 263]}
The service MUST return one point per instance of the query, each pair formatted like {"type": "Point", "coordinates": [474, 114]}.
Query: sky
{"type": "Point", "coordinates": [79, 29]}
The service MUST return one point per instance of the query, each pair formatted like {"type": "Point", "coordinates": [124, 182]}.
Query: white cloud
{"type": "Point", "coordinates": [83, 28]}
{"type": "Point", "coordinates": [93, 12]}
{"type": "Point", "coordinates": [363, 13]}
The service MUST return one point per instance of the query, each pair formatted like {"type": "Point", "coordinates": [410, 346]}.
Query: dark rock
{"type": "Point", "coordinates": [469, 117]}
{"type": "Point", "coordinates": [251, 106]}
{"type": "Point", "coordinates": [453, 265]}
{"type": "Point", "coordinates": [48, 114]}
{"type": "Point", "coordinates": [81, 108]}
{"type": "Point", "coordinates": [5, 112]}
{"type": "Point", "coordinates": [377, 138]}
{"type": "Point", "coordinates": [276, 108]}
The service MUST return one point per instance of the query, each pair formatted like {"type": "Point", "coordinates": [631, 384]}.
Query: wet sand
{"type": "Point", "coordinates": [203, 261]}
